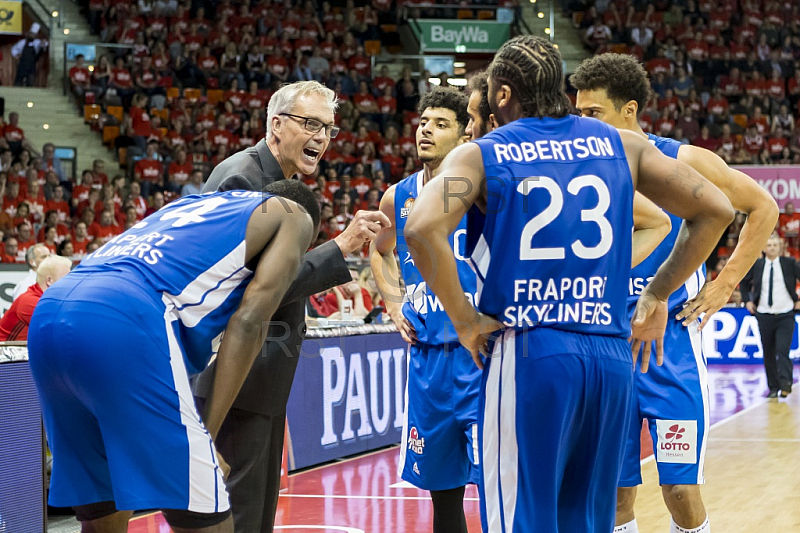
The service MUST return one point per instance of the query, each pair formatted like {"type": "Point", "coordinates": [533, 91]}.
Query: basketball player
{"type": "Point", "coordinates": [674, 397]}
{"type": "Point", "coordinates": [437, 452]}
{"type": "Point", "coordinates": [553, 262]}
{"type": "Point", "coordinates": [650, 224]}
{"type": "Point", "coordinates": [113, 343]}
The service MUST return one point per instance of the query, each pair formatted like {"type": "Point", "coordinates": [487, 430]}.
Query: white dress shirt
{"type": "Point", "coordinates": [781, 299]}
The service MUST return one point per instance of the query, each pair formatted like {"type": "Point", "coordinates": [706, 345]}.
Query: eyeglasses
{"type": "Point", "coordinates": [313, 125]}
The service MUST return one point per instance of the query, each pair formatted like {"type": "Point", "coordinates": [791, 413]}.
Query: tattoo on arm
{"type": "Point", "coordinates": [683, 177]}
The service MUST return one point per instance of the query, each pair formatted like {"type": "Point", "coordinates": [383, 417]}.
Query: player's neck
{"type": "Point", "coordinates": [430, 171]}
{"type": "Point", "coordinates": [635, 128]}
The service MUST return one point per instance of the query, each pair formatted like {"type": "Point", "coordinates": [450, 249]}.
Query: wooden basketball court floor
{"type": "Point", "coordinates": [752, 473]}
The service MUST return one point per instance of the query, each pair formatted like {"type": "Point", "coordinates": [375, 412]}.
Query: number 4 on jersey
{"type": "Point", "coordinates": [192, 213]}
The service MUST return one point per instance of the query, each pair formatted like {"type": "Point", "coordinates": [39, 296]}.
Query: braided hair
{"type": "Point", "coordinates": [480, 82]}
{"type": "Point", "coordinates": [531, 66]}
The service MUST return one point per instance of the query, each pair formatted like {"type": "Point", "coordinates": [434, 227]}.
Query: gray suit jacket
{"type": "Point", "coordinates": [266, 389]}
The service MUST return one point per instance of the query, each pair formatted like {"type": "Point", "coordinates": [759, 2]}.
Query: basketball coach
{"type": "Point", "coordinates": [300, 125]}
{"type": "Point", "coordinates": [773, 301]}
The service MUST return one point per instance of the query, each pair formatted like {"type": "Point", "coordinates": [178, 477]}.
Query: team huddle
{"type": "Point", "coordinates": [543, 257]}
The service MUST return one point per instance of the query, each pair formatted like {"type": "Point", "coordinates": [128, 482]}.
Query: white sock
{"type": "Point", "coordinates": [705, 527]}
{"type": "Point", "coordinates": [630, 527]}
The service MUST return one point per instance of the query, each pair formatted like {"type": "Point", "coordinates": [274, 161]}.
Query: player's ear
{"type": "Point", "coordinates": [503, 96]}
{"type": "Point", "coordinates": [630, 109]}
{"type": "Point", "coordinates": [492, 122]}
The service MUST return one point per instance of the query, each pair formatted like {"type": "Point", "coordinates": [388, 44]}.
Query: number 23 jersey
{"type": "Point", "coordinates": [554, 248]}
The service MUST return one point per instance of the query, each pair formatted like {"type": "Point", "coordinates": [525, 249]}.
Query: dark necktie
{"type": "Point", "coordinates": [771, 276]}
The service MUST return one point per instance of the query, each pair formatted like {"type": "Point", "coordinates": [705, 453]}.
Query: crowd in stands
{"type": "Point", "coordinates": [196, 80]}
{"type": "Point", "coordinates": [726, 73]}
{"type": "Point", "coordinates": [725, 76]}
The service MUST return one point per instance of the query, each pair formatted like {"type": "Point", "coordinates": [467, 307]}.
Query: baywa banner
{"type": "Point", "coordinates": [460, 36]}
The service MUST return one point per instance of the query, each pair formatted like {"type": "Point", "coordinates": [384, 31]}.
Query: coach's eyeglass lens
{"type": "Point", "coordinates": [313, 125]}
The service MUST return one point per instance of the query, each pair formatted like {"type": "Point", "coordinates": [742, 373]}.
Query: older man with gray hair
{"type": "Point", "coordinates": [34, 257]}
{"type": "Point", "coordinates": [300, 125]}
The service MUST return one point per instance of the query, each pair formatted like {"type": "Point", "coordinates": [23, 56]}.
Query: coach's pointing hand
{"type": "Point", "coordinates": [363, 229]}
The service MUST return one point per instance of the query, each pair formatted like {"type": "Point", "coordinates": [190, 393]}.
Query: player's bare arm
{"type": "Point", "coordinates": [762, 213]}
{"type": "Point", "coordinates": [278, 234]}
{"type": "Point", "coordinates": [706, 211]}
{"type": "Point", "coordinates": [650, 226]}
{"type": "Point", "coordinates": [437, 212]}
{"type": "Point", "coordinates": [385, 270]}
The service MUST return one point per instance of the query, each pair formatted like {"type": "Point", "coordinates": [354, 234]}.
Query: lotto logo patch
{"type": "Point", "coordinates": [406, 209]}
{"type": "Point", "coordinates": [416, 469]}
{"type": "Point", "coordinates": [415, 443]}
{"type": "Point", "coordinates": [676, 441]}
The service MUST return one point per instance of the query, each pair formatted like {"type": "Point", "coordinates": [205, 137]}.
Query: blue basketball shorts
{"type": "Point", "coordinates": [439, 446]}
{"type": "Point", "coordinates": [552, 424]}
{"type": "Point", "coordinates": [117, 408]}
{"type": "Point", "coordinates": [673, 398]}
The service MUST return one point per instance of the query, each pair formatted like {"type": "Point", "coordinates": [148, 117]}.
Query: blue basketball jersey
{"type": "Point", "coordinates": [642, 273]}
{"type": "Point", "coordinates": [554, 249]}
{"type": "Point", "coordinates": [191, 255]}
{"type": "Point", "coordinates": [421, 307]}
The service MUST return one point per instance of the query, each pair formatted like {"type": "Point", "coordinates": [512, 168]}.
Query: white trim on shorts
{"type": "Point", "coordinates": [404, 442]}
{"type": "Point", "coordinates": [696, 339]}
{"type": "Point", "coordinates": [500, 452]}
{"type": "Point", "coordinates": [207, 493]}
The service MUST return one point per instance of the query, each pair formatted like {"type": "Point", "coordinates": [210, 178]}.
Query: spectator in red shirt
{"type": "Point", "coordinates": [10, 252]}
{"type": "Point", "coordinates": [665, 124]}
{"type": "Point", "coordinates": [14, 323]}
{"type": "Point", "coordinates": [705, 140]}
{"type": "Point", "coordinates": [24, 238]}
{"type": "Point", "coordinates": [321, 306]}
{"type": "Point", "coordinates": [107, 227]}
{"type": "Point", "coordinates": [81, 238]}
{"type": "Point", "coordinates": [755, 85]}
{"type": "Point", "coordinates": [158, 203]}
{"type": "Point", "coordinates": [15, 136]}
{"type": "Point", "coordinates": [775, 144]}
{"type": "Point", "coordinates": [732, 84]}
{"type": "Point", "coordinates": [219, 135]}
{"type": "Point", "coordinates": [383, 81]}
{"type": "Point", "coordinates": [122, 81]}
{"type": "Point", "coordinates": [760, 121]}
{"type": "Point", "coordinates": [147, 78]}
{"type": "Point", "coordinates": [365, 102]}
{"type": "Point", "coordinates": [207, 63]}
{"type": "Point", "coordinates": [362, 302]}
{"type": "Point", "coordinates": [23, 214]}
{"type": "Point", "coordinates": [753, 141]}
{"type": "Point", "coordinates": [775, 86]}
{"type": "Point", "coordinates": [717, 107]}
{"type": "Point", "coordinates": [12, 198]}
{"type": "Point", "coordinates": [789, 225]}
{"type": "Point", "coordinates": [387, 104]}
{"type": "Point", "coordinates": [50, 238]}
{"type": "Point", "coordinates": [51, 219]}
{"type": "Point", "coordinates": [80, 78]}
{"type": "Point", "coordinates": [140, 122]}
{"type": "Point", "coordinates": [179, 171]}
{"type": "Point", "coordinates": [135, 197]}
{"type": "Point", "coordinates": [150, 171]}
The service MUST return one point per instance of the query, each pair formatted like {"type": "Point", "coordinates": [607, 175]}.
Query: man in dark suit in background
{"type": "Point", "coordinates": [773, 301]}
{"type": "Point", "coordinates": [300, 124]}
